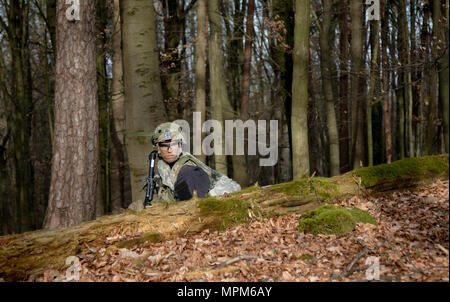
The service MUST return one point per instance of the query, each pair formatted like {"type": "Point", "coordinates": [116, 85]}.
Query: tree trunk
{"type": "Point", "coordinates": [281, 53]}
{"type": "Point", "coordinates": [405, 77]}
{"type": "Point", "coordinates": [282, 73]}
{"type": "Point", "coordinates": [394, 61]}
{"type": "Point", "coordinates": [434, 79]}
{"type": "Point", "coordinates": [344, 134]}
{"type": "Point", "coordinates": [356, 49]}
{"type": "Point", "coordinates": [443, 62]}
{"type": "Point", "coordinates": [200, 70]}
{"type": "Point", "coordinates": [6, 181]}
{"type": "Point", "coordinates": [415, 71]}
{"type": "Point", "coordinates": [234, 25]}
{"type": "Point", "coordinates": [326, 39]}
{"type": "Point", "coordinates": [142, 83]}
{"type": "Point", "coordinates": [314, 122]}
{"type": "Point", "coordinates": [73, 190]}
{"type": "Point", "coordinates": [401, 122]}
{"type": "Point", "coordinates": [41, 125]}
{"type": "Point", "coordinates": [424, 88]}
{"type": "Point", "coordinates": [104, 200]}
{"type": "Point", "coordinates": [245, 91]}
{"type": "Point", "coordinates": [240, 169]}
{"type": "Point", "coordinates": [21, 112]}
{"type": "Point", "coordinates": [235, 61]}
{"type": "Point", "coordinates": [374, 71]}
{"type": "Point", "coordinates": [299, 121]}
{"type": "Point", "coordinates": [219, 96]}
{"type": "Point", "coordinates": [118, 177]}
{"type": "Point", "coordinates": [385, 83]}
{"type": "Point", "coordinates": [50, 66]}
{"type": "Point", "coordinates": [171, 62]}
{"type": "Point", "coordinates": [51, 23]}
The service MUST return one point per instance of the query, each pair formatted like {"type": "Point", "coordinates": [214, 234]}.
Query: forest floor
{"type": "Point", "coordinates": [409, 243]}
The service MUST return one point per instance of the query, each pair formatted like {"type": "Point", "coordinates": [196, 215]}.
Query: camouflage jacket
{"type": "Point", "coordinates": [219, 184]}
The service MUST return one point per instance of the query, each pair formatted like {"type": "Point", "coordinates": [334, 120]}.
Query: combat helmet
{"type": "Point", "coordinates": [168, 132]}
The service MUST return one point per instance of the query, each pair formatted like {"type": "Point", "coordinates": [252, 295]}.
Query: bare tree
{"type": "Point", "coordinates": [75, 163]}
{"type": "Point", "coordinates": [219, 97]}
{"type": "Point", "coordinates": [200, 65]}
{"type": "Point", "coordinates": [344, 134]}
{"type": "Point", "coordinates": [374, 75]}
{"type": "Point", "coordinates": [356, 56]}
{"type": "Point", "coordinates": [119, 168]}
{"type": "Point", "coordinates": [299, 120]}
{"type": "Point", "coordinates": [326, 39]}
{"type": "Point", "coordinates": [385, 82]}
{"type": "Point", "coordinates": [143, 93]}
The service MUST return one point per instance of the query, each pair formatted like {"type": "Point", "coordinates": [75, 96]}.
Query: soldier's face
{"type": "Point", "coordinates": [169, 151]}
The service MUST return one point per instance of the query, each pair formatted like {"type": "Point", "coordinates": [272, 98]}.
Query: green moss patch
{"type": "Point", "coordinates": [152, 237]}
{"type": "Point", "coordinates": [330, 219]}
{"type": "Point", "coordinates": [324, 188]}
{"type": "Point", "coordinates": [246, 190]}
{"type": "Point", "coordinates": [227, 212]}
{"type": "Point", "coordinates": [417, 168]}
{"type": "Point", "coordinates": [306, 257]}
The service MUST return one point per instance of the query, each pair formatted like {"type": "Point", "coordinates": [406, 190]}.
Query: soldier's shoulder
{"type": "Point", "coordinates": [188, 159]}
{"type": "Point", "coordinates": [190, 163]}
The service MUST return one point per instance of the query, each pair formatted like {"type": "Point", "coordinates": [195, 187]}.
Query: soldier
{"type": "Point", "coordinates": [179, 173]}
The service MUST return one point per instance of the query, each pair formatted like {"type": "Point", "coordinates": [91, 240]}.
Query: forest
{"type": "Point", "coordinates": [83, 84]}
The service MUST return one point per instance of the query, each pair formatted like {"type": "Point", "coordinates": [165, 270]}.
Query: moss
{"type": "Point", "coordinates": [152, 237]}
{"type": "Point", "coordinates": [246, 190]}
{"type": "Point", "coordinates": [111, 250]}
{"type": "Point", "coordinates": [226, 212]}
{"type": "Point", "coordinates": [306, 257]}
{"type": "Point", "coordinates": [324, 188]}
{"type": "Point", "coordinates": [413, 167]}
{"type": "Point", "coordinates": [362, 216]}
{"type": "Point", "coordinates": [330, 219]}
{"type": "Point", "coordinates": [130, 211]}
{"type": "Point", "coordinates": [256, 195]}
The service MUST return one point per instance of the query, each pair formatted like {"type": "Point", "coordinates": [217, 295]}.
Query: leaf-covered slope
{"type": "Point", "coordinates": [34, 252]}
{"type": "Point", "coordinates": [409, 241]}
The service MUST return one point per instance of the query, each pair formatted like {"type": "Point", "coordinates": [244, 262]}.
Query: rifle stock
{"type": "Point", "coordinates": [150, 185]}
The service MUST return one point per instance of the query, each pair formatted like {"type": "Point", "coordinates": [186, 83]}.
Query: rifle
{"type": "Point", "coordinates": [150, 181]}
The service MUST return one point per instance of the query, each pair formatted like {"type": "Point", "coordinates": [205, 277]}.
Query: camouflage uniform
{"type": "Point", "coordinates": [219, 184]}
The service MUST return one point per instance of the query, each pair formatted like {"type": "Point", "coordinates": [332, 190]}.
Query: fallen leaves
{"type": "Point", "coordinates": [410, 243]}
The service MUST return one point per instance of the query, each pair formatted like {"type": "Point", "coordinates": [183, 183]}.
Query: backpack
{"type": "Point", "coordinates": [219, 183]}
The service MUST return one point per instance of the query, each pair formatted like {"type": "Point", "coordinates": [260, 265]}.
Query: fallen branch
{"type": "Point", "coordinates": [357, 181]}
{"type": "Point", "coordinates": [154, 274]}
{"type": "Point", "coordinates": [236, 259]}
{"type": "Point", "coordinates": [309, 184]}
{"type": "Point", "coordinates": [348, 269]}
{"type": "Point", "coordinates": [442, 248]}
{"type": "Point", "coordinates": [288, 201]}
